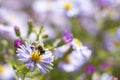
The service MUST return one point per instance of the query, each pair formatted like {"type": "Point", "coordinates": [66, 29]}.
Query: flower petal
{"type": "Point", "coordinates": [41, 68]}
{"type": "Point", "coordinates": [30, 65]}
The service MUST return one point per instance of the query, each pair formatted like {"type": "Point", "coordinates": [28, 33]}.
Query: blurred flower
{"type": "Point", "coordinates": [89, 69]}
{"type": "Point", "coordinates": [86, 7]}
{"type": "Point", "coordinates": [6, 72]}
{"type": "Point", "coordinates": [18, 43]}
{"type": "Point", "coordinates": [67, 8]}
{"type": "Point", "coordinates": [60, 51]}
{"type": "Point", "coordinates": [18, 5]}
{"type": "Point", "coordinates": [76, 44]}
{"type": "Point", "coordinates": [75, 59]}
{"type": "Point", "coordinates": [111, 43]}
{"type": "Point", "coordinates": [67, 37]}
{"type": "Point", "coordinates": [12, 18]}
{"type": "Point", "coordinates": [7, 31]}
{"type": "Point", "coordinates": [71, 63]}
{"type": "Point", "coordinates": [28, 54]}
{"type": "Point", "coordinates": [106, 76]}
{"type": "Point", "coordinates": [42, 6]}
{"type": "Point", "coordinates": [90, 25]}
{"type": "Point", "coordinates": [95, 76]}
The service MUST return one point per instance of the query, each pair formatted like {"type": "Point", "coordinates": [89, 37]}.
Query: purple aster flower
{"type": "Point", "coordinates": [89, 69]}
{"type": "Point", "coordinates": [6, 72]}
{"type": "Point", "coordinates": [18, 42]}
{"type": "Point", "coordinates": [31, 56]}
{"type": "Point", "coordinates": [67, 37]}
{"type": "Point", "coordinates": [75, 60]}
{"type": "Point", "coordinates": [71, 63]}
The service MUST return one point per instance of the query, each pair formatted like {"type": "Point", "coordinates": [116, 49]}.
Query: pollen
{"type": "Point", "coordinates": [77, 42]}
{"type": "Point", "coordinates": [68, 6]}
{"type": "Point", "coordinates": [35, 56]}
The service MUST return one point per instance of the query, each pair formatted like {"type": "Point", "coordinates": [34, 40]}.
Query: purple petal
{"type": "Point", "coordinates": [67, 37]}
{"type": "Point", "coordinates": [41, 68]}
{"type": "Point", "coordinates": [21, 55]}
{"type": "Point", "coordinates": [30, 65]}
{"type": "Point", "coordinates": [48, 60]}
{"type": "Point", "coordinates": [47, 57]}
{"type": "Point", "coordinates": [24, 59]}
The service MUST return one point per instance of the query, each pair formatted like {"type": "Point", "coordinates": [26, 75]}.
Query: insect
{"type": "Point", "coordinates": [38, 47]}
{"type": "Point", "coordinates": [42, 51]}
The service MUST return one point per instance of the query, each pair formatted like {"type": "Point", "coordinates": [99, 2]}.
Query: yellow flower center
{"type": "Point", "coordinates": [68, 6]}
{"type": "Point", "coordinates": [35, 56]}
{"type": "Point", "coordinates": [67, 59]}
{"type": "Point", "coordinates": [77, 42]}
{"type": "Point", "coordinates": [1, 69]}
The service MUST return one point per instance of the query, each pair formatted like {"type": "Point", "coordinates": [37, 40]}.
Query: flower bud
{"type": "Point", "coordinates": [67, 37]}
{"type": "Point", "coordinates": [17, 43]}
{"type": "Point", "coordinates": [17, 31]}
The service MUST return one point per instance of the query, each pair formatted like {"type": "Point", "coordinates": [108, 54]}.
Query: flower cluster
{"type": "Point", "coordinates": [77, 57]}
{"type": "Point", "coordinates": [76, 39]}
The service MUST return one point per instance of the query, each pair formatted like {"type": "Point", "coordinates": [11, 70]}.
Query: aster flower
{"type": "Point", "coordinates": [7, 31]}
{"type": "Point", "coordinates": [76, 43]}
{"type": "Point", "coordinates": [80, 48]}
{"type": "Point", "coordinates": [12, 18]}
{"type": "Point", "coordinates": [69, 8]}
{"type": "Point", "coordinates": [75, 60]}
{"type": "Point", "coordinates": [71, 63]}
{"type": "Point", "coordinates": [6, 72]}
{"type": "Point", "coordinates": [106, 76]}
{"type": "Point", "coordinates": [31, 56]}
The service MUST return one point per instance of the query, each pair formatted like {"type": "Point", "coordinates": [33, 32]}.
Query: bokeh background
{"type": "Point", "coordinates": [96, 23]}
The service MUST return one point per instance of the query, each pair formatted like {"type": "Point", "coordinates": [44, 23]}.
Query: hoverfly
{"type": "Point", "coordinates": [35, 46]}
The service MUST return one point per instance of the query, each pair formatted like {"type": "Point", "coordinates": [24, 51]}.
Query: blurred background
{"type": "Point", "coordinates": [96, 23]}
